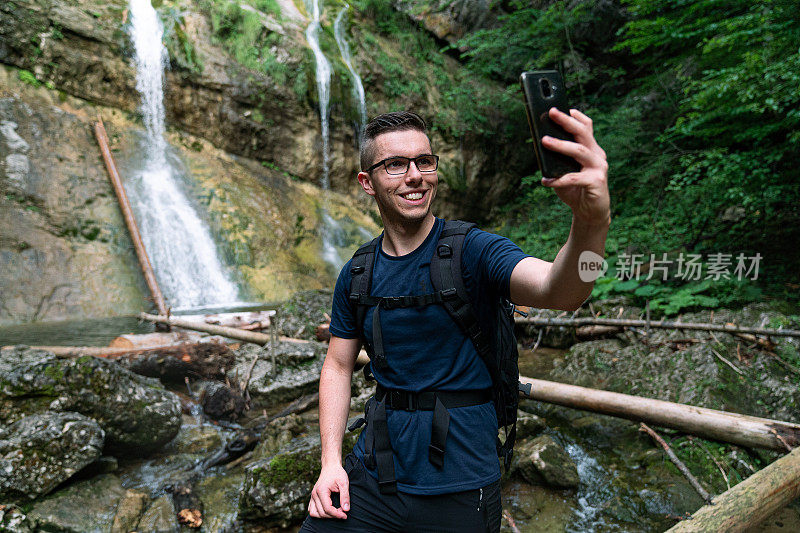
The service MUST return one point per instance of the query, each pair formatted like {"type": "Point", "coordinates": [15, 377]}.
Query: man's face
{"type": "Point", "coordinates": [404, 197]}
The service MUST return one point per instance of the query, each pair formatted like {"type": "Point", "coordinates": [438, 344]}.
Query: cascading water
{"type": "Point", "coordinates": [178, 243]}
{"type": "Point", "coordinates": [330, 231]}
{"type": "Point", "coordinates": [358, 87]}
{"type": "Point", "coordinates": [323, 73]}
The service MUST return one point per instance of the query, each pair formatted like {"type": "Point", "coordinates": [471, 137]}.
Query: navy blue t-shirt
{"type": "Point", "coordinates": [426, 350]}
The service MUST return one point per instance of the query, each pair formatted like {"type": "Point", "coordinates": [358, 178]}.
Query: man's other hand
{"type": "Point", "coordinates": [585, 192]}
{"type": "Point", "coordinates": [332, 478]}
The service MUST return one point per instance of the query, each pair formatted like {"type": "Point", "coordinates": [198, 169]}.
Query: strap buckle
{"type": "Point", "coordinates": [444, 251]}
{"type": "Point", "coordinates": [450, 293]}
{"type": "Point", "coordinates": [391, 302]}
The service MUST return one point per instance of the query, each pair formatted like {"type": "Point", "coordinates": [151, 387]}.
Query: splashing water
{"type": "Point", "coordinates": [178, 242]}
{"type": "Point", "coordinates": [358, 87]}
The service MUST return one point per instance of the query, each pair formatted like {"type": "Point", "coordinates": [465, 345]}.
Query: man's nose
{"type": "Point", "coordinates": [413, 173]}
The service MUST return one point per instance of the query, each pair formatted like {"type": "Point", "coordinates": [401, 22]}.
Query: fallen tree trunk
{"type": "Point", "coordinates": [232, 333]}
{"type": "Point", "coordinates": [621, 322]}
{"type": "Point", "coordinates": [751, 501]}
{"type": "Point", "coordinates": [208, 360]}
{"type": "Point", "coordinates": [130, 219]}
{"type": "Point", "coordinates": [735, 428]}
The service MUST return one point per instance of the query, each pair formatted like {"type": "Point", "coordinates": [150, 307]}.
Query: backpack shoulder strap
{"type": "Point", "coordinates": [446, 277]}
{"type": "Point", "coordinates": [361, 280]}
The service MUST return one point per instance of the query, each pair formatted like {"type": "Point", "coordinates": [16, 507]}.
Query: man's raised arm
{"type": "Point", "coordinates": [558, 285]}
{"type": "Point", "coordinates": [334, 406]}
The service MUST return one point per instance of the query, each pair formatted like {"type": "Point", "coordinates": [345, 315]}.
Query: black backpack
{"type": "Point", "coordinates": [498, 348]}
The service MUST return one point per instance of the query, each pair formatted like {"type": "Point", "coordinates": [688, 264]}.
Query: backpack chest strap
{"type": "Point", "coordinates": [362, 301]}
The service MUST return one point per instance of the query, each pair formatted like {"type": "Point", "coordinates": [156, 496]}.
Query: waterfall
{"type": "Point", "coordinates": [323, 74]}
{"type": "Point", "coordinates": [330, 230]}
{"type": "Point", "coordinates": [178, 243]}
{"type": "Point", "coordinates": [358, 87]}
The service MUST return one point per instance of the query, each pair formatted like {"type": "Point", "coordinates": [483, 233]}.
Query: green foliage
{"type": "Point", "coordinates": [180, 47]}
{"type": "Point", "coordinates": [669, 298]}
{"type": "Point", "coordinates": [696, 105]}
{"type": "Point", "coordinates": [27, 77]}
{"type": "Point", "coordinates": [244, 34]}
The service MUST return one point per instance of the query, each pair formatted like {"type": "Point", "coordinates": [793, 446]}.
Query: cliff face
{"type": "Point", "coordinates": [228, 95]}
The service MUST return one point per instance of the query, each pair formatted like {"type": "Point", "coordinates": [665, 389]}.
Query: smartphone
{"type": "Point", "coordinates": [542, 90]}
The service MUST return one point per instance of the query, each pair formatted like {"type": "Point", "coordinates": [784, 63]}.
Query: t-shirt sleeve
{"type": "Point", "coordinates": [343, 323]}
{"type": "Point", "coordinates": [490, 259]}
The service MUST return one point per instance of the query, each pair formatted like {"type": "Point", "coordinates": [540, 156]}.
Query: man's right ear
{"type": "Point", "coordinates": [365, 180]}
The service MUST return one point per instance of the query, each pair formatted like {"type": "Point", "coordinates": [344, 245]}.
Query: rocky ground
{"type": "Point", "coordinates": [78, 455]}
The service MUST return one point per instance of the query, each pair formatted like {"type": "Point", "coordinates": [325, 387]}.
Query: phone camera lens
{"type": "Point", "coordinates": [544, 86]}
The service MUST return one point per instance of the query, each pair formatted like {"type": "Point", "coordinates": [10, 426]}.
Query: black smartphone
{"type": "Point", "coordinates": [544, 89]}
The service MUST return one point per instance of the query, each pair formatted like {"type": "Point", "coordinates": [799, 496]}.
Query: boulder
{"type": "Point", "coordinates": [543, 461]}
{"type": "Point", "coordinates": [528, 425]}
{"type": "Point", "coordinates": [296, 371]}
{"type": "Point", "coordinates": [136, 413]}
{"type": "Point", "coordinates": [85, 507]}
{"type": "Point", "coordinates": [276, 490]}
{"type": "Point", "coordinates": [279, 433]}
{"type": "Point", "coordinates": [40, 451]}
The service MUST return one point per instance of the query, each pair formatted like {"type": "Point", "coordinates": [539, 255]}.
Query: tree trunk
{"type": "Point", "coordinates": [709, 423]}
{"type": "Point", "coordinates": [232, 333]}
{"type": "Point", "coordinates": [751, 501]}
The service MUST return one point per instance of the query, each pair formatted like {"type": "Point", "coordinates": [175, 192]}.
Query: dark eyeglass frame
{"type": "Point", "coordinates": [408, 164]}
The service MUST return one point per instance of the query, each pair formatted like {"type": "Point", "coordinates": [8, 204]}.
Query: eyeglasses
{"type": "Point", "coordinates": [399, 165]}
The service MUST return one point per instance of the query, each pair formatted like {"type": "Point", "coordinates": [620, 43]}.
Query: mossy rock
{"type": "Point", "coordinates": [136, 413]}
{"type": "Point", "coordinates": [40, 451]}
{"type": "Point", "coordinates": [277, 489]}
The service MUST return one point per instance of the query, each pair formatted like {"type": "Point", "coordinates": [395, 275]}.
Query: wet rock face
{"type": "Point", "coordinates": [62, 251]}
{"type": "Point", "coordinates": [542, 460]}
{"type": "Point", "coordinates": [40, 451]}
{"type": "Point", "coordinates": [136, 413]}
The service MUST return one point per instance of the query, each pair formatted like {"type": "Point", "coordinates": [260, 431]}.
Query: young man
{"type": "Point", "coordinates": [424, 349]}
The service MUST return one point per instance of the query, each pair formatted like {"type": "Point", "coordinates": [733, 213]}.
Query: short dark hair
{"type": "Point", "coordinates": [385, 123]}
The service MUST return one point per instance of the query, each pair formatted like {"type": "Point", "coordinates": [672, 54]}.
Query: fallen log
{"type": "Point", "coordinates": [130, 219]}
{"type": "Point", "coordinates": [751, 501]}
{"type": "Point", "coordinates": [735, 428]}
{"type": "Point", "coordinates": [207, 360]}
{"type": "Point", "coordinates": [621, 322]}
{"type": "Point", "coordinates": [154, 340]}
{"type": "Point", "coordinates": [232, 333]}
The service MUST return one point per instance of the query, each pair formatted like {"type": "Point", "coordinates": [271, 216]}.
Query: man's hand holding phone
{"type": "Point", "coordinates": [585, 191]}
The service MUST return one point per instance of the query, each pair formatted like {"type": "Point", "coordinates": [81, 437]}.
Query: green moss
{"type": "Point", "coordinates": [284, 468]}
{"type": "Point", "coordinates": [27, 76]}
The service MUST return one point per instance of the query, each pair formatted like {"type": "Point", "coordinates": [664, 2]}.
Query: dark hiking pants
{"type": "Point", "coordinates": [471, 511]}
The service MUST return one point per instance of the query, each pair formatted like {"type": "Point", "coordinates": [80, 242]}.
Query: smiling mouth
{"type": "Point", "coordinates": [412, 196]}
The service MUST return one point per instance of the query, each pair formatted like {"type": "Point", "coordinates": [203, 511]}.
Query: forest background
{"type": "Point", "coordinates": [695, 103]}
